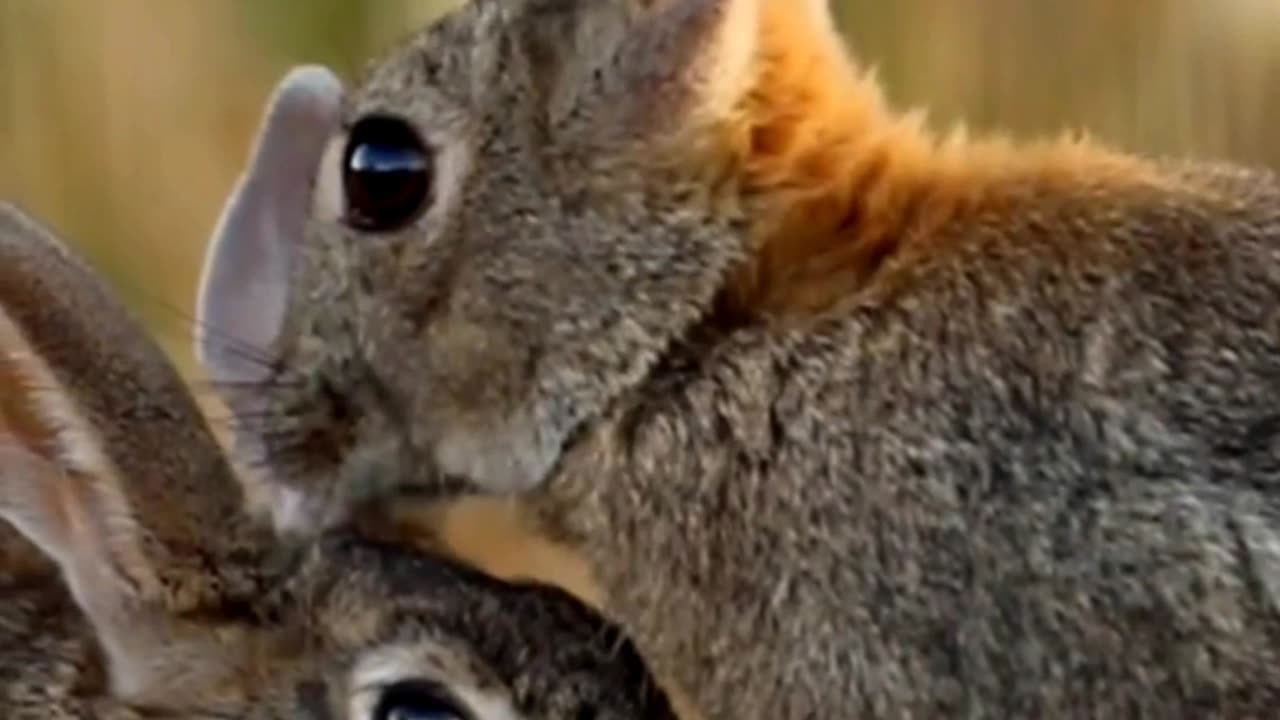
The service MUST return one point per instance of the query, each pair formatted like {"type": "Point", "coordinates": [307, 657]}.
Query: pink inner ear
{"type": "Point", "coordinates": [83, 524]}
{"type": "Point", "coordinates": [30, 500]}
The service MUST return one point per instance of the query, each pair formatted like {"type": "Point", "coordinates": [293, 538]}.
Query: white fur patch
{"type": "Point", "coordinates": [426, 661]}
{"type": "Point", "coordinates": [514, 459]}
{"type": "Point", "coordinates": [292, 511]}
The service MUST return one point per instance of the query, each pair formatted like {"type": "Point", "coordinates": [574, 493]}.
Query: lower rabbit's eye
{"type": "Point", "coordinates": [416, 700]}
{"type": "Point", "coordinates": [386, 174]}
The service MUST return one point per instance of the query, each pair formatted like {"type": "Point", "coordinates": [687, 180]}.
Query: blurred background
{"type": "Point", "coordinates": [124, 123]}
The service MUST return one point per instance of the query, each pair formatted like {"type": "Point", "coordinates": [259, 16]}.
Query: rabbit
{"type": "Point", "coordinates": [137, 583]}
{"type": "Point", "coordinates": [845, 416]}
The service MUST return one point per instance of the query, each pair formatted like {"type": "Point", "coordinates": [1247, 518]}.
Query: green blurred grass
{"type": "Point", "coordinates": [124, 122]}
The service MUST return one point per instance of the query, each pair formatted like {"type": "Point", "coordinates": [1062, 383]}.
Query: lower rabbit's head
{"type": "Point", "coordinates": [160, 598]}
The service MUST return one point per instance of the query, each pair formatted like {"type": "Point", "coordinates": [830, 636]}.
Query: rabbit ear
{"type": "Point", "coordinates": [680, 60]}
{"type": "Point", "coordinates": [244, 284]}
{"type": "Point", "coordinates": [106, 463]}
{"type": "Point", "coordinates": [690, 64]}
{"type": "Point", "coordinates": [701, 51]}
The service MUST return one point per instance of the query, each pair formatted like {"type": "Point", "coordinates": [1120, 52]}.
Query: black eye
{"type": "Point", "coordinates": [416, 700]}
{"type": "Point", "coordinates": [386, 174]}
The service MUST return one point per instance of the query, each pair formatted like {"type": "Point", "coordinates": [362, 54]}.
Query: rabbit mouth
{"type": "Point", "coordinates": [372, 483]}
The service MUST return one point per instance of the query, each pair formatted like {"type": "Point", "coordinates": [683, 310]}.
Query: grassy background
{"type": "Point", "coordinates": [124, 122]}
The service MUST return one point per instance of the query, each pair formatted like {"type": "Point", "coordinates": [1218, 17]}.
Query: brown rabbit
{"type": "Point", "coordinates": [847, 418]}
{"type": "Point", "coordinates": [161, 599]}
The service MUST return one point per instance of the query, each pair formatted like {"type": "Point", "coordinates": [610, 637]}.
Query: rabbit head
{"type": "Point", "coordinates": [162, 598]}
{"type": "Point", "coordinates": [518, 214]}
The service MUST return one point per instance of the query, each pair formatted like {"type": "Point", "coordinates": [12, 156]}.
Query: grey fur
{"type": "Point", "coordinates": [1034, 473]}
{"type": "Point", "coordinates": [247, 627]}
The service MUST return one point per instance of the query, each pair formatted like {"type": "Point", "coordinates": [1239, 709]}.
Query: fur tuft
{"type": "Point", "coordinates": [842, 182]}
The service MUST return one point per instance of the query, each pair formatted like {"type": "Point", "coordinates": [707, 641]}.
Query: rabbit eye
{"type": "Point", "coordinates": [416, 700]}
{"type": "Point", "coordinates": [386, 174]}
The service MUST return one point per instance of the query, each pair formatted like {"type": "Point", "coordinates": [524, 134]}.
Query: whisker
{"type": "Point", "coordinates": [263, 427]}
{"type": "Point", "coordinates": [268, 384]}
{"type": "Point", "coordinates": [246, 351]}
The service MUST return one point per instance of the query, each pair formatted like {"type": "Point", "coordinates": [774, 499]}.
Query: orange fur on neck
{"type": "Point", "coordinates": [837, 181]}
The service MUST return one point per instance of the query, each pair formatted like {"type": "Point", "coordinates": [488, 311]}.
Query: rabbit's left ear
{"type": "Point", "coordinates": [107, 466]}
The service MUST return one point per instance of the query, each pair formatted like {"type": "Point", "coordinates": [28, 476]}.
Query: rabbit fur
{"type": "Point", "coordinates": [136, 584]}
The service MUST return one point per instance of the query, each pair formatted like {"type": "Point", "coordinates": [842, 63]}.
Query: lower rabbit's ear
{"type": "Point", "coordinates": [65, 495]}
{"type": "Point", "coordinates": [244, 284]}
{"type": "Point", "coordinates": [84, 525]}
{"type": "Point", "coordinates": [108, 467]}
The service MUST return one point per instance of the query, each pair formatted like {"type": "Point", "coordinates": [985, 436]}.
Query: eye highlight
{"type": "Point", "coordinates": [416, 700]}
{"type": "Point", "coordinates": [387, 174]}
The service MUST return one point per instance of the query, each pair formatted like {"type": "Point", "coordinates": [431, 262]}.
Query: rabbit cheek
{"type": "Point", "coordinates": [479, 427]}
